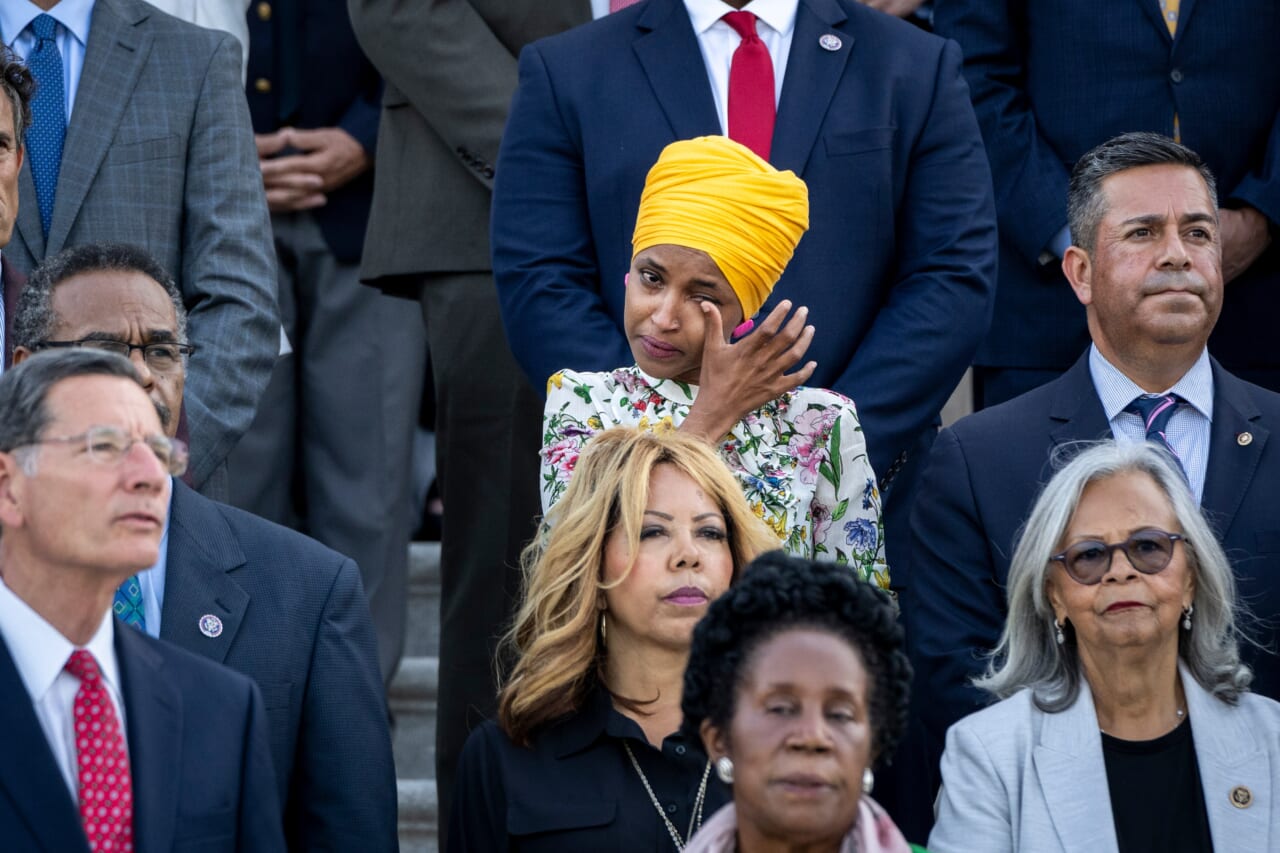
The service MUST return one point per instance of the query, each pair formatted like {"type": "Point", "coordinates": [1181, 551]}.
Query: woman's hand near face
{"type": "Point", "coordinates": [738, 378]}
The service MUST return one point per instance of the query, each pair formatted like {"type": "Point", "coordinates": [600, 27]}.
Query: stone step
{"type": "Point", "coordinates": [418, 821]}
{"type": "Point", "coordinates": [412, 698]}
{"type": "Point", "coordinates": [422, 631]}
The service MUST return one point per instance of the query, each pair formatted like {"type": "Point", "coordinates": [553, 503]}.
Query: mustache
{"type": "Point", "coordinates": [1183, 281]}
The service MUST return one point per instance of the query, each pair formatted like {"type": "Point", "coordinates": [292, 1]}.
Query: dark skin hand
{"type": "Point", "coordinates": [740, 377]}
{"type": "Point", "coordinates": [1244, 237]}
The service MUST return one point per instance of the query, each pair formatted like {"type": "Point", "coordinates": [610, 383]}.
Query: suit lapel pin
{"type": "Point", "coordinates": [210, 625]}
{"type": "Point", "coordinates": [1244, 439]}
{"type": "Point", "coordinates": [830, 41]}
{"type": "Point", "coordinates": [1241, 797]}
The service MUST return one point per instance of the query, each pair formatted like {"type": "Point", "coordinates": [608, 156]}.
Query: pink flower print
{"type": "Point", "coordinates": [808, 445]}
{"type": "Point", "coordinates": [563, 456]}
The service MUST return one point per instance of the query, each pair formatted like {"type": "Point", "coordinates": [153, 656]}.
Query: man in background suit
{"type": "Point", "coordinates": [450, 69]}
{"type": "Point", "coordinates": [15, 116]}
{"type": "Point", "coordinates": [1146, 263]}
{"type": "Point", "coordinates": [1051, 80]}
{"type": "Point", "coordinates": [157, 147]}
{"type": "Point", "coordinates": [231, 587]}
{"type": "Point", "coordinates": [84, 482]}
{"type": "Point", "coordinates": [329, 451]}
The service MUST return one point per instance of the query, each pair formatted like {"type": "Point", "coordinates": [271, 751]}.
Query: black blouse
{"type": "Point", "coordinates": [575, 788]}
{"type": "Point", "coordinates": [1156, 797]}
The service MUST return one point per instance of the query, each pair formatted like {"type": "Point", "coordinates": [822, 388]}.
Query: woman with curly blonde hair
{"type": "Point", "coordinates": [586, 753]}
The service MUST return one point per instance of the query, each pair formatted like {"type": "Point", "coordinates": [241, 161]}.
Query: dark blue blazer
{"type": "Point", "coordinates": [198, 755]}
{"type": "Point", "coordinates": [986, 471]}
{"type": "Point", "coordinates": [318, 77]}
{"type": "Point", "coordinates": [898, 266]}
{"type": "Point", "coordinates": [1053, 78]}
{"type": "Point", "coordinates": [295, 620]}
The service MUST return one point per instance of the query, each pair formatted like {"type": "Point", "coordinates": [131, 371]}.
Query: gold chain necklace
{"type": "Point", "coordinates": [695, 821]}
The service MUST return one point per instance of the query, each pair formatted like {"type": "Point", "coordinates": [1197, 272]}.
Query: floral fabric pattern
{"type": "Point", "coordinates": [801, 458]}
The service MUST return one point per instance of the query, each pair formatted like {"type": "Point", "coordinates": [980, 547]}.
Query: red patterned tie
{"type": "Point", "coordinates": [616, 5]}
{"type": "Point", "coordinates": [751, 107]}
{"type": "Point", "coordinates": [106, 792]}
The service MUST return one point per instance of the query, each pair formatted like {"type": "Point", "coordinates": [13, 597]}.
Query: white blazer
{"type": "Point", "coordinates": [1017, 779]}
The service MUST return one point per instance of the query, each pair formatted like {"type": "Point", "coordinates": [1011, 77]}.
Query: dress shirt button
{"type": "Point", "coordinates": [1175, 75]}
{"type": "Point", "coordinates": [680, 750]}
{"type": "Point", "coordinates": [671, 808]}
{"type": "Point", "coordinates": [264, 11]}
{"type": "Point", "coordinates": [262, 84]}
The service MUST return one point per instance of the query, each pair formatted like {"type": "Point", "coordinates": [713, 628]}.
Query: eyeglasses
{"type": "Point", "coordinates": [1149, 551]}
{"type": "Point", "coordinates": [160, 358]}
{"type": "Point", "coordinates": [107, 445]}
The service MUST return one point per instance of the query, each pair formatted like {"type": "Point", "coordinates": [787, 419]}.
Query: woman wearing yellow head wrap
{"type": "Point", "coordinates": [716, 227]}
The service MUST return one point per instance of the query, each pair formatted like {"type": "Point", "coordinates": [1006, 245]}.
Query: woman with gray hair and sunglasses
{"type": "Point", "coordinates": [1125, 724]}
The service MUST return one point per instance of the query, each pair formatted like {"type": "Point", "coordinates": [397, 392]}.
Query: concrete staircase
{"type": "Point", "coordinates": [412, 697]}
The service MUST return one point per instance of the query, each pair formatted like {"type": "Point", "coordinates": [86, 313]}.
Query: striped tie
{"type": "Point", "coordinates": [1155, 412]}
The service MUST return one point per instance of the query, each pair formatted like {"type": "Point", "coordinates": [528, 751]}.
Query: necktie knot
{"type": "Point", "coordinates": [44, 27]}
{"type": "Point", "coordinates": [82, 665]}
{"type": "Point", "coordinates": [1155, 412]}
{"type": "Point", "coordinates": [744, 23]}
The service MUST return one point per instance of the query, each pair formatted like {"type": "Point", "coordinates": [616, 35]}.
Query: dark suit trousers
{"type": "Point", "coordinates": [329, 450]}
{"type": "Point", "coordinates": [488, 433]}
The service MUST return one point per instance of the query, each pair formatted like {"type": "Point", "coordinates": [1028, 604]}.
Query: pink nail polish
{"type": "Point", "coordinates": [744, 327]}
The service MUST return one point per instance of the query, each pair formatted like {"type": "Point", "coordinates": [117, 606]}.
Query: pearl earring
{"type": "Point", "coordinates": [1057, 633]}
{"type": "Point", "coordinates": [724, 769]}
{"type": "Point", "coordinates": [1186, 617]}
{"type": "Point", "coordinates": [868, 781]}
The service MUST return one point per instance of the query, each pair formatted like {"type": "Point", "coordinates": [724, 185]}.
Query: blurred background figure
{"type": "Point", "coordinates": [1125, 722]}
{"type": "Point", "coordinates": [586, 754]}
{"type": "Point", "coordinates": [797, 682]}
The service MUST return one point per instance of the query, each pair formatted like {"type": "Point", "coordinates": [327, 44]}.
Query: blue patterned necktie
{"type": "Point", "coordinates": [1155, 413]}
{"type": "Point", "coordinates": [127, 604]}
{"type": "Point", "coordinates": [48, 116]}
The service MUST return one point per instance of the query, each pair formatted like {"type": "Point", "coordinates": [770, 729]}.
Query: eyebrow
{"type": "Point", "coordinates": [709, 283]}
{"type": "Point", "coordinates": [1157, 219]}
{"type": "Point", "coordinates": [150, 335]}
{"type": "Point", "coordinates": [669, 517]}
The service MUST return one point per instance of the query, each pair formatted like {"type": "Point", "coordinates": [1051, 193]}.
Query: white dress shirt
{"type": "Point", "coordinates": [1189, 426]}
{"type": "Point", "coordinates": [73, 16]}
{"type": "Point", "coordinates": [776, 24]}
{"type": "Point", "coordinates": [40, 654]}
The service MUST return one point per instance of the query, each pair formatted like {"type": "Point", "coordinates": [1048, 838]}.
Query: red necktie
{"type": "Point", "coordinates": [102, 763]}
{"type": "Point", "coordinates": [616, 5]}
{"type": "Point", "coordinates": [751, 106]}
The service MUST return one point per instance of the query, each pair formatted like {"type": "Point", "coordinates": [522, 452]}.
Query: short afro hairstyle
{"type": "Point", "coordinates": [778, 593]}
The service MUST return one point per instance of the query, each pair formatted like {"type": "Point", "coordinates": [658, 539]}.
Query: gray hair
{"type": "Point", "coordinates": [24, 391]}
{"type": "Point", "coordinates": [1087, 203]}
{"type": "Point", "coordinates": [34, 321]}
{"type": "Point", "coordinates": [18, 86]}
{"type": "Point", "coordinates": [1028, 655]}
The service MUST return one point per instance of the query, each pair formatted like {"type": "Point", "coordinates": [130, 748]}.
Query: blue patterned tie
{"type": "Point", "coordinates": [127, 604]}
{"type": "Point", "coordinates": [1155, 413]}
{"type": "Point", "coordinates": [48, 116]}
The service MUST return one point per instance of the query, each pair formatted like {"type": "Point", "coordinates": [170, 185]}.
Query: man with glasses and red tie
{"type": "Point", "coordinates": [120, 742]}
{"type": "Point", "coordinates": [1147, 265]}
{"type": "Point", "coordinates": [229, 586]}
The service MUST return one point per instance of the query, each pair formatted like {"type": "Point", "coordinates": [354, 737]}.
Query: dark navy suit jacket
{"type": "Point", "coordinates": [986, 471]}
{"type": "Point", "coordinates": [897, 268]}
{"type": "Point", "coordinates": [318, 77]}
{"type": "Point", "coordinates": [1053, 78]}
{"type": "Point", "coordinates": [198, 756]}
{"type": "Point", "coordinates": [294, 619]}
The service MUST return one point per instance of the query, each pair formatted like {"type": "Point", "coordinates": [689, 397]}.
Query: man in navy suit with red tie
{"type": "Point", "coordinates": [16, 86]}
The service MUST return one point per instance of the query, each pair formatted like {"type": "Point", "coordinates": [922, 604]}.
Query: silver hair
{"type": "Point", "coordinates": [1028, 655]}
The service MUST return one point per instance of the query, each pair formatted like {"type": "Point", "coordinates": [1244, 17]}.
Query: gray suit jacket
{"type": "Point", "coordinates": [450, 71]}
{"type": "Point", "coordinates": [159, 152]}
{"type": "Point", "coordinates": [1017, 779]}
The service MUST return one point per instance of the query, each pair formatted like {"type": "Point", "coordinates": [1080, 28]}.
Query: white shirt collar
{"type": "Point", "coordinates": [39, 650]}
{"type": "Point", "coordinates": [1115, 390]}
{"type": "Point", "coordinates": [74, 15]}
{"type": "Point", "coordinates": [779, 15]}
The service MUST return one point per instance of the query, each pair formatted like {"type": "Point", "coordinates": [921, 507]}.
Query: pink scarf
{"type": "Point", "coordinates": [873, 832]}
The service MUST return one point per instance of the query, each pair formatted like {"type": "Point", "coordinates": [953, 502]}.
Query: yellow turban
{"type": "Point", "coordinates": [715, 195]}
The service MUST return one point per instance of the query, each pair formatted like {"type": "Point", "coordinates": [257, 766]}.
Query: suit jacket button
{"type": "Point", "coordinates": [1175, 75]}
{"type": "Point", "coordinates": [262, 84]}
{"type": "Point", "coordinates": [488, 171]}
{"type": "Point", "coordinates": [264, 11]}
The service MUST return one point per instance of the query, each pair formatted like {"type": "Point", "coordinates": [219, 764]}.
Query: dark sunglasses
{"type": "Point", "coordinates": [1149, 551]}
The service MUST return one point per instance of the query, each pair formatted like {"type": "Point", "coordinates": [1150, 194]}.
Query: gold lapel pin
{"type": "Point", "coordinates": [1241, 797]}
{"type": "Point", "coordinates": [1244, 439]}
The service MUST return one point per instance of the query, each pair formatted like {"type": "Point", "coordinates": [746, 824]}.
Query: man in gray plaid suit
{"type": "Point", "coordinates": [157, 150]}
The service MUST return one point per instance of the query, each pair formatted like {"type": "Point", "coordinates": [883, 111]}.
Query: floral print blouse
{"type": "Point", "coordinates": [801, 458]}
